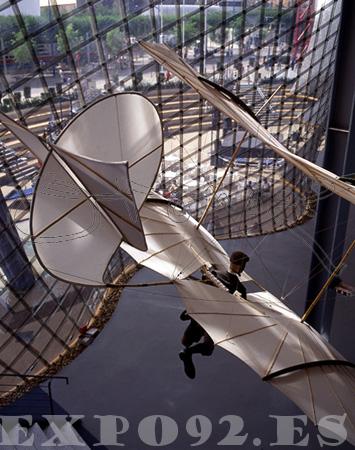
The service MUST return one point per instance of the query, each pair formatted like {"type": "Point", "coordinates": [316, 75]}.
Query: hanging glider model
{"type": "Point", "coordinates": [92, 197]}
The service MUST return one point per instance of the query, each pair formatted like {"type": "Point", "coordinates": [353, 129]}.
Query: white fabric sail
{"type": "Point", "coordinates": [120, 127]}
{"type": "Point", "coordinates": [167, 57]}
{"type": "Point", "coordinates": [29, 139]}
{"type": "Point", "coordinates": [174, 242]}
{"type": "Point", "coordinates": [72, 238]}
{"type": "Point", "coordinates": [271, 339]}
{"type": "Point", "coordinates": [103, 188]}
{"type": "Point", "coordinates": [109, 185]}
{"type": "Point", "coordinates": [78, 218]}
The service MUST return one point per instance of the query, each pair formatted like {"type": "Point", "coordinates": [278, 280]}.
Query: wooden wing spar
{"type": "Point", "coordinates": [169, 59]}
{"type": "Point", "coordinates": [87, 202]}
{"type": "Point", "coordinates": [173, 240]}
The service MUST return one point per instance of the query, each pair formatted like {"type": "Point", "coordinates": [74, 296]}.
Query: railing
{"type": "Point", "coordinates": [48, 379]}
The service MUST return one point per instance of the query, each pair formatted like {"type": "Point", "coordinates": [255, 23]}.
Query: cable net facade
{"type": "Point", "coordinates": [56, 57]}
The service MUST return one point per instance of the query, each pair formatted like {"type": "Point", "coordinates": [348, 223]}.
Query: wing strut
{"type": "Point", "coordinates": [330, 279]}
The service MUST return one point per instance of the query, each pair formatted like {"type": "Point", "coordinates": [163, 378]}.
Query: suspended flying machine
{"type": "Point", "coordinates": [92, 197]}
{"type": "Point", "coordinates": [88, 195]}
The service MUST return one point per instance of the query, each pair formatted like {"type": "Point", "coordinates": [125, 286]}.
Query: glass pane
{"type": "Point", "coordinates": [107, 15]}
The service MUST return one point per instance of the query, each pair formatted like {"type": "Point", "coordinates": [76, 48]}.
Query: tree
{"type": "Point", "coordinates": [238, 25]}
{"type": "Point", "coordinates": [22, 54]}
{"type": "Point", "coordinates": [8, 28]}
{"type": "Point", "coordinates": [140, 26]}
{"type": "Point", "coordinates": [105, 21]}
{"type": "Point", "coordinates": [81, 24]}
{"type": "Point", "coordinates": [214, 19]}
{"type": "Point", "coordinates": [72, 35]}
{"type": "Point", "coordinates": [190, 31]}
{"type": "Point", "coordinates": [107, 7]}
{"type": "Point", "coordinates": [115, 40]}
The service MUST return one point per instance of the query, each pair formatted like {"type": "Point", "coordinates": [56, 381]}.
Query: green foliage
{"type": "Point", "coordinates": [214, 18]}
{"type": "Point", "coordinates": [167, 18]}
{"type": "Point", "coordinates": [10, 33]}
{"type": "Point", "coordinates": [107, 7]}
{"type": "Point", "coordinates": [81, 25]}
{"type": "Point", "coordinates": [78, 27]}
{"type": "Point", "coordinates": [271, 12]}
{"type": "Point", "coordinates": [34, 22]}
{"type": "Point", "coordinates": [115, 40]}
{"type": "Point", "coordinates": [105, 21]}
{"type": "Point", "coordinates": [190, 30]}
{"type": "Point", "coordinates": [22, 53]}
{"type": "Point", "coordinates": [8, 28]}
{"type": "Point", "coordinates": [140, 26]}
{"type": "Point", "coordinates": [72, 35]}
{"type": "Point", "coordinates": [237, 26]}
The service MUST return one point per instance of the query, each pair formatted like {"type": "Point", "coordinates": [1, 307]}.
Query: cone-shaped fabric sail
{"type": "Point", "coordinates": [120, 127]}
{"type": "Point", "coordinates": [104, 196]}
{"type": "Point", "coordinates": [167, 57]}
{"type": "Point", "coordinates": [270, 338]}
{"type": "Point", "coordinates": [109, 185]}
{"type": "Point", "coordinates": [107, 182]}
{"type": "Point", "coordinates": [176, 248]}
{"type": "Point", "coordinates": [71, 236]}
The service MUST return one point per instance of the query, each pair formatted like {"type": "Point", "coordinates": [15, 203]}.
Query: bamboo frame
{"type": "Point", "coordinates": [330, 279]}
